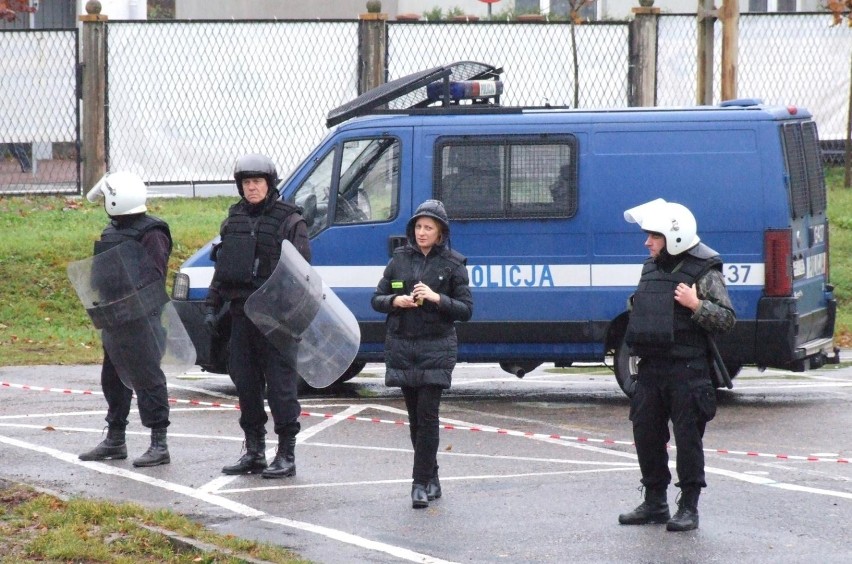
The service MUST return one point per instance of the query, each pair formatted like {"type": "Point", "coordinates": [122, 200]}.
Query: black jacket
{"type": "Point", "coordinates": [420, 343]}
{"type": "Point", "coordinates": [251, 246]}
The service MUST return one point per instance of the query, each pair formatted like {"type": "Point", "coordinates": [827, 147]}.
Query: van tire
{"type": "Point", "coordinates": [626, 368]}
{"type": "Point", "coordinates": [354, 369]}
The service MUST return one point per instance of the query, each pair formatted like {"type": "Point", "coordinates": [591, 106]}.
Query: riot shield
{"type": "Point", "coordinates": [301, 316]}
{"type": "Point", "coordinates": [126, 299]}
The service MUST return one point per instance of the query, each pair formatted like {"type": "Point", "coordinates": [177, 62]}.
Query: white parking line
{"type": "Point", "coordinates": [228, 504]}
{"type": "Point", "coordinates": [443, 479]}
{"type": "Point", "coordinates": [217, 483]}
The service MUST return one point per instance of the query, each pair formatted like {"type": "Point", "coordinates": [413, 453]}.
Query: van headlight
{"type": "Point", "coordinates": [180, 291]}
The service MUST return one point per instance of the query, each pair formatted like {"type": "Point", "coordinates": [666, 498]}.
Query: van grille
{"type": "Point", "coordinates": [813, 167]}
{"type": "Point", "coordinates": [804, 168]}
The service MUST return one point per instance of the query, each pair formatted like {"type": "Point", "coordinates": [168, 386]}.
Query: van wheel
{"type": "Point", "coordinates": [626, 369]}
{"type": "Point", "coordinates": [354, 369]}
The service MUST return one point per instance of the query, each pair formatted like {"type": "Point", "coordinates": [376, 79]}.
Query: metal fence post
{"type": "Point", "coordinates": [372, 51]}
{"type": "Point", "coordinates": [93, 62]}
{"type": "Point", "coordinates": [642, 72]}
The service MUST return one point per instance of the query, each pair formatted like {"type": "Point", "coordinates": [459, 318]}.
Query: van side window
{"type": "Point", "coordinates": [804, 168]}
{"type": "Point", "coordinates": [368, 187]}
{"type": "Point", "coordinates": [513, 177]}
{"type": "Point", "coordinates": [312, 195]}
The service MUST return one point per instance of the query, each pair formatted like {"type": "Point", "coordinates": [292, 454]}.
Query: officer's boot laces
{"type": "Point", "coordinates": [113, 447]}
{"type": "Point", "coordinates": [654, 510]}
{"type": "Point", "coordinates": [686, 517]}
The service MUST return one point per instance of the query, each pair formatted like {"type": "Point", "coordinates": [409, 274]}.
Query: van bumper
{"type": "Point", "coordinates": [787, 339]}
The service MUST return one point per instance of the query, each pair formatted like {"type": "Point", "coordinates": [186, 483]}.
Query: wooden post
{"type": "Point", "coordinates": [642, 72]}
{"type": "Point", "coordinates": [372, 51]}
{"type": "Point", "coordinates": [93, 55]}
{"type": "Point", "coordinates": [847, 176]}
{"type": "Point", "coordinates": [706, 17]}
{"type": "Point", "coordinates": [730, 17]}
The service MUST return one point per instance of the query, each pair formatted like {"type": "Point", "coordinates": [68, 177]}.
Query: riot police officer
{"type": "Point", "coordinates": [681, 301]}
{"type": "Point", "coordinates": [125, 196]}
{"type": "Point", "coordinates": [249, 250]}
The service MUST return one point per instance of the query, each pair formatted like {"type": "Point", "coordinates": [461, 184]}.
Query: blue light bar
{"type": "Point", "coordinates": [466, 89]}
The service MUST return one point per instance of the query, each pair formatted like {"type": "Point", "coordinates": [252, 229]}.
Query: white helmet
{"type": "Point", "coordinates": [124, 193]}
{"type": "Point", "coordinates": [674, 221]}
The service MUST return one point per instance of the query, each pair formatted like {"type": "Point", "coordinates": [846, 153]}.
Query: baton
{"type": "Point", "coordinates": [720, 364]}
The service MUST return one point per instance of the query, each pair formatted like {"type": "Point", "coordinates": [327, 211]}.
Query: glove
{"type": "Point", "coordinates": [211, 322]}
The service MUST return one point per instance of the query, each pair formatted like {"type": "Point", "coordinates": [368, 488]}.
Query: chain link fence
{"type": "Point", "coordinates": [787, 59]}
{"type": "Point", "coordinates": [39, 114]}
{"type": "Point", "coordinates": [185, 98]}
{"type": "Point", "coordinates": [536, 57]}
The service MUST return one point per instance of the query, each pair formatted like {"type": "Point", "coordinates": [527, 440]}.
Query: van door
{"type": "Point", "coordinates": [357, 201]}
{"type": "Point", "coordinates": [798, 310]}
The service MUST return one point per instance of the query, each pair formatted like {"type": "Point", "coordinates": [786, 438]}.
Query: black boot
{"type": "Point", "coordinates": [157, 453]}
{"type": "Point", "coordinates": [686, 517]}
{"type": "Point", "coordinates": [419, 497]}
{"type": "Point", "coordinates": [112, 447]}
{"type": "Point", "coordinates": [654, 510]}
{"type": "Point", "coordinates": [254, 460]}
{"type": "Point", "coordinates": [284, 464]}
{"type": "Point", "coordinates": [433, 488]}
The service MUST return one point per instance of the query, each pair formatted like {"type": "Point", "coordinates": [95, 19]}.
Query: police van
{"type": "Point", "coordinates": [536, 198]}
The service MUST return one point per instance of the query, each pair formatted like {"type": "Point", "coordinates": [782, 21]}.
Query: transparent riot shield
{"type": "Point", "coordinates": [301, 316]}
{"type": "Point", "coordinates": [126, 299]}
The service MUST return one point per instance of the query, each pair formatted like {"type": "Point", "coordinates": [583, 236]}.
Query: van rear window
{"type": "Point", "coordinates": [514, 177]}
{"type": "Point", "coordinates": [804, 168]}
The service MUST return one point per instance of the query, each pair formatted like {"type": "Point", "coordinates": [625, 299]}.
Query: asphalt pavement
{"type": "Point", "coordinates": [533, 470]}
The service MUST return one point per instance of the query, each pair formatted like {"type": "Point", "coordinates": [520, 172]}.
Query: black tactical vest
{"type": "Point", "coordinates": [658, 325]}
{"type": "Point", "coordinates": [137, 273]}
{"type": "Point", "coordinates": [251, 245]}
{"type": "Point", "coordinates": [118, 232]}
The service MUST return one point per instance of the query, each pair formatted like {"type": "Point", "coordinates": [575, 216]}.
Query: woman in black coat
{"type": "Point", "coordinates": [424, 291]}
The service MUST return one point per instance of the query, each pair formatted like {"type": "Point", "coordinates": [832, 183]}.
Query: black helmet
{"type": "Point", "coordinates": [435, 210]}
{"type": "Point", "coordinates": [255, 165]}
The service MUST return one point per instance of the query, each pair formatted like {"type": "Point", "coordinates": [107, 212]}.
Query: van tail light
{"type": "Point", "coordinates": [778, 257]}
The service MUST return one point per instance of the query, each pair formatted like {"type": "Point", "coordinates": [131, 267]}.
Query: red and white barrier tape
{"type": "Point", "coordinates": [451, 427]}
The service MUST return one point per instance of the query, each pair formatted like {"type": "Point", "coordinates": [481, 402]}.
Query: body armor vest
{"type": "Point", "coordinates": [658, 325]}
{"type": "Point", "coordinates": [117, 232]}
{"type": "Point", "coordinates": [251, 246]}
{"type": "Point", "coordinates": [138, 269]}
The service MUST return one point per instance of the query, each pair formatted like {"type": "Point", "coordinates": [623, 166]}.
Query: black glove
{"type": "Point", "coordinates": [211, 322]}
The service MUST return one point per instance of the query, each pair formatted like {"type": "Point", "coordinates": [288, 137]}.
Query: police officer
{"type": "Point", "coordinates": [124, 195]}
{"type": "Point", "coordinates": [250, 247]}
{"type": "Point", "coordinates": [681, 301]}
{"type": "Point", "coordinates": [424, 291]}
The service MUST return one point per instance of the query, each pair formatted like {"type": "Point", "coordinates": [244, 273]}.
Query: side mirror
{"type": "Point", "coordinates": [310, 209]}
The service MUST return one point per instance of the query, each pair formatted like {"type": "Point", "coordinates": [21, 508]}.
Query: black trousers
{"type": "Point", "coordinates": [423, 404]}
{"type": "Point", "coordinates": [255, 364]}
{"type": "Point", "coordinates": [153, 402]}
{"type": "Point", "coordinates": [680, 391]}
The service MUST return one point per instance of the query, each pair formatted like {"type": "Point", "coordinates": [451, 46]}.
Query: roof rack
{"type": "Point", "coordinates": [445, 85]}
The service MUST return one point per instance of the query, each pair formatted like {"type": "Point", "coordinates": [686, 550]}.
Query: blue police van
{"type": "Point", "coordinates": [536, 198]}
